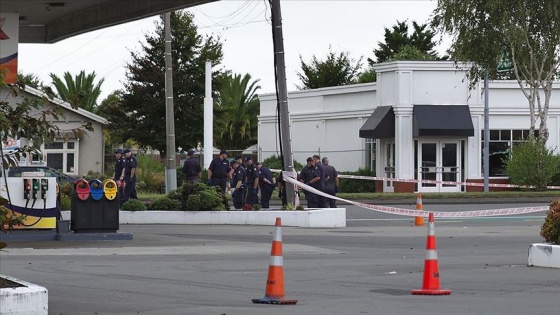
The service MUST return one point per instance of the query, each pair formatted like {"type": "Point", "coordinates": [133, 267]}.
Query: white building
{"type": "Point", "coordinates": [419, 121]}
{"type": "Point", "coordinates": [68, 154]}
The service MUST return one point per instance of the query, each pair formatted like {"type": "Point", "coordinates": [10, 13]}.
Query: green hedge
{"type": "Point", "coordinates": [348, 185]}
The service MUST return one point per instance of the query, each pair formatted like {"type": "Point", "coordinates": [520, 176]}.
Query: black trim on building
{"type": "Point", "coordinates": [442, 120]}
{"type": "Point", "coordinates": [380, 125]}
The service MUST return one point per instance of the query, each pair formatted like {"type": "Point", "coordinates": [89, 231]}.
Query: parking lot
{"type": "Point", "coordinates": [368, 267]}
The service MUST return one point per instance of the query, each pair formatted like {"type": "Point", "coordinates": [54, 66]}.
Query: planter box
{"type": "Point", "coordinates": [315, 218]}
{"type": "Point", "coordinates": [30, 299]}
{"type": "Point", "coordinates": [544, 255]}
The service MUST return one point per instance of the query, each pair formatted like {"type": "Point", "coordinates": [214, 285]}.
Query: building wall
{"type": "Point", "coordinates": [90, 148]}
{"type": "Point", "coordinates": [323, 121]}
{"type": "Point", "coordinates": [330, 118]}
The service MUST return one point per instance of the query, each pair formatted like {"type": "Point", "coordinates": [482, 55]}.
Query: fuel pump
{"type": "Point", "coordinates": [25, 200]}
{"type": "Point", "coordinates": [35, 189]}
{"type": "Point", "coordinates": [26, 188]}
{"type": "Point", "coordinates": [44, 189]}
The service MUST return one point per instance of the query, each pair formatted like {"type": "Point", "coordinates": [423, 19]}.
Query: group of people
{"type": "Point", "coordinates": [125, 174]}
{"type": "Point", "coordinates": [322, 176]}
{"type": "Point", "coordinates": [241, 176]}
{"type": "Point", "coordinates": [246, 179]}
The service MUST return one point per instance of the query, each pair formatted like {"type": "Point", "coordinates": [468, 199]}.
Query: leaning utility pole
{"type": "Point", "coordinates": [170, 164]}
{"type": "Point", "coordinates": [282, 96]}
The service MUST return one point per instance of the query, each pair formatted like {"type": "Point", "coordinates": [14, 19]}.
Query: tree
{"type": "Point", "coordinates": [532, 164]}
{"type": "Point", "coordinates": [335, 70]}
{"type": "Point", "coordinates": [368, 75]}
{"type": "Point", "coordinates": [80, 91]}
{"type": "Point", "coordinates": [237, 106]}
{"type": "Point", "coordinates": [527, 31]}
{"type": "Point", "coordinates": [141, 114]}
{"type": "Point", "coordinates": [399, 45]}
{"type": "Point", "coordinates": [30, 79]}
{"type": "Point", "coordinates": [109, 108]}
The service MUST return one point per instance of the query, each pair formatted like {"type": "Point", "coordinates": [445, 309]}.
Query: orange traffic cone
{"type": "Point", "coordinates": [419, 221]}
{"type": "Point", "coordinates": [274, 293]}
{"type": "Point", "coordinates": [430, 285]}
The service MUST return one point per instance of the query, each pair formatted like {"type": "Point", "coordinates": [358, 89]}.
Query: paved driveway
{"type": "Point", "coordinates": [368, 267]}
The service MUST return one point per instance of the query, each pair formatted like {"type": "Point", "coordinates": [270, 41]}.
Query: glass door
{"type": "Point", "coordinates": [389, 186]}
{"type": "Point", "coordinates": [439, 161]}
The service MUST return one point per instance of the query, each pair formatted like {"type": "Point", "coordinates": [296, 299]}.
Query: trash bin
{"type": "Point", "coordinates": [110, 205]}
{"type": "Point", "coordinates": [80, 207]}
{"type": "Point", "coordinates": [96, 214]}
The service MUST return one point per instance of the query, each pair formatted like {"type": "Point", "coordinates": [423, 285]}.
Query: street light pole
{"type": "Point", "coordinates": [170, 165]}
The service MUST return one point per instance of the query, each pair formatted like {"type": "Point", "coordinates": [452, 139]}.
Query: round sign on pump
{"type": "Point", "coordinates": [96, 188]}
{"type": "Point", "coordinates": [110, 189]}
{"type": "Point", "coordinates": [82, 189]}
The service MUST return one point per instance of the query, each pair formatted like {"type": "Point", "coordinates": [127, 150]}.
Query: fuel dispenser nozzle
{"type": "Point", "coordinates": [44, 188]}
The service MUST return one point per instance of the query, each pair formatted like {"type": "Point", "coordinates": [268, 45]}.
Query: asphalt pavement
{"type": "Point", "coordinates": [369, 267]}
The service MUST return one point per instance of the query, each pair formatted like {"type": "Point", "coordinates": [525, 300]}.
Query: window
{"type": "Point", "coordinates": [62, 156]}
{"type": "Point", "coordinates": [499, 145]}
{"type": "Point", "coordinates": [370, 153]}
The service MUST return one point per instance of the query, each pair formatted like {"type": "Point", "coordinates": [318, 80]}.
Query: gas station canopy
{"type": "Point", "coordinates": [43, 21]}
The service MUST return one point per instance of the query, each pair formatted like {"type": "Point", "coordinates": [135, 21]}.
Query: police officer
{"type": "Point", "coordinates": [252, 184]}
{"type": "Point", "coordinates": [238, 184]}
{"type": "Point", "coordinates": [308, 177]}
{"type": "Point", "coordinates": [266, 183]}
{"type": "Point", "coordinates": [129, 176]}
{"type": "Point", "coordinates": [331, 182]}
{"type": "Point", "coordinates": [191, 169]}
{"type": "Point", "coordinates": [320, 185]}
{"type": "Point", "coordinates": [120, 162]}
{"type": "Point", "coordinates": [218, 171]}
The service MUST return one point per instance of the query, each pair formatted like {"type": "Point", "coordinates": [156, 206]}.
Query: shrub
{"type": "Point", "coordinates": [203, 197]}
{"type": "Point", "coordinates": [209, 199]}
{"type": "Point", "coordinates": [532, 164]}
{"type": "Point", "coordinates": [66, 189]}
{"type": "Point", "coordinates": [193, 202]}
{"type": "Point", "coordinates": [349, 185]}
{"type": "Point", "coordinates": [164, 203]}
{"type": "Point", "coordinates": [95, 175]}
{"type": "Point", "coordinates": [150, 173]}
{"type": "Point", "coordinates": [550, 229]}
{"type": "Point", "coordinates": [274, 162]}
{"type": "Point", "coordinates": [65, 203]}
{"type": "Point", "coordinates": [134, 205]}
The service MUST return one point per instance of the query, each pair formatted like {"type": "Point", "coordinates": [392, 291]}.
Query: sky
{"type": "Point", "coordinates": [309, 28]}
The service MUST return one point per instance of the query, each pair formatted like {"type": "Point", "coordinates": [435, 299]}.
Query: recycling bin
{"type": "Point", "coordinates": [110, 203]}
{"type": "Point", "coordinates": [96, 204]}
{"type": "Point", "coordinates": [80, 208]}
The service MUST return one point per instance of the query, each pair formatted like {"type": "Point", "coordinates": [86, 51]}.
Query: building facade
{"type": "Point", "coordinates": [420, 121]}
{"type": "Point", "coordinates": [67, 153]}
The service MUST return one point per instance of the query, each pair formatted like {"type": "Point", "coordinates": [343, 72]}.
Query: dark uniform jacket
{"type": "Point", "coordinates": [220, 168]}
{"type": "Point", "coordinates": [191, 168]}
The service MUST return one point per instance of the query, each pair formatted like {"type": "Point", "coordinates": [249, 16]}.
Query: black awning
{"type": "Point", "coordinates": [442, 120]}
{"type": "Point", "coordinates": [380, 125]}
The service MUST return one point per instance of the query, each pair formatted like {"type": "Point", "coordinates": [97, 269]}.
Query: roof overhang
{"type": "Point", "coordinates": [45, 21]}
{"type": "Point", "coordinates": [442, 120]}
{"type": "Point", "coordinates": [380, 125]}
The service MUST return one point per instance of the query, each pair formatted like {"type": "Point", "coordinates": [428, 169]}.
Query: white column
{"type": "Point", "coordinates": [404, 142]}
{"type": "Point", "coordinates": [208, 117]}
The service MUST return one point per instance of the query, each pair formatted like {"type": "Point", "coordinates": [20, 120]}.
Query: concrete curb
{"type": "Point", "coordinates": [544, 255]}
{"type": "Point", "coordinates": [313, 218]}
{"type": "Point", "coordinates": [30, 299]}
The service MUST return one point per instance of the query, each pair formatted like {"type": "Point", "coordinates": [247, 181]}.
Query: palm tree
{"type": "Point", "coordinates": [237, 107]}
{"type": "Point", "coordinates": [79, 91]}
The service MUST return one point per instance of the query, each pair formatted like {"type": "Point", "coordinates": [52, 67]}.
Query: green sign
{"type": "Point", "coordinates": [504, 63]}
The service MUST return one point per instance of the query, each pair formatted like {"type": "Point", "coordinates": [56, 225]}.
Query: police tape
{"type": "Point", "coordinates": [429, 181]}
{"type": "Point", "coordinates": [420, 213]}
